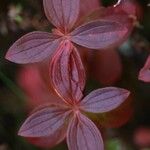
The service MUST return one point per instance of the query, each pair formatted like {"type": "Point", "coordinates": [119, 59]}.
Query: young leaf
{"type": "Point", "coordinates": [82, 134]}
{"type": "Point", "coordinates": [62, 13]}
{"type": "Point", "coordinates": [67, 72]}
{"type": "Point", "coordinates": [144, 74]}
{"type": "Point", "coordinates": [104, 100]}
{"type": "Point", "coordinates": [45, 121]}
{"type": "Point", "coordinates": [99, 34]}
{"type": "Point", "coordinates": [33, 47]}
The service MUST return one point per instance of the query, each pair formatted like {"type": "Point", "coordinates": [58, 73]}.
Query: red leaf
{"type": "Point", "coordinates": [62, 13]}
{"type": "Point", "coordinates": [117, 15]}
{"type": "Point", "coordinates": [99, 34]}
{"type": "Point", "coordinates": [108, 64]}
{"type": "Point", "coordinates": [144, 74]}
{"type": "Point", "coordinates": [36, 85]}
{"type": "Point", "coordinates": [45, 122]}
{"type": "Point", "coordinates": [130, 7]}
{"type": "Point", "coordinates": [49, 141]}
{"type": "Point", "coordinates": [67, 72]}
{"type": "Point", "coordinates": [86, 6]}
{"type": "Point", "coordinates": [82, 134]}
{"type": "Point", "coordinates": [104, 100]}
{"type": "Point", "coordinates": [33, 47]}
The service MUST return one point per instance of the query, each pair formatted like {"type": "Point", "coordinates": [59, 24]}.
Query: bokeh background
{"type": "Point", "coordinates": [116, 67]}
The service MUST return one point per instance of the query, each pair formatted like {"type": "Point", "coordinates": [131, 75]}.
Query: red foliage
{"type": "Point", "coordinates": [106, 30]}
{"type": "Point", "coordinates": [95, 34]}
{"type": "Point", "coordinates": [51, 123]}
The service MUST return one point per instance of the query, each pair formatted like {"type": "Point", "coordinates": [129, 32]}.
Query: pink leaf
{"type": "Point", "coordinates": [67, 72]}
{"type": "Point", "coordinates": [98, 34]}
{"type": "Point", "coordinates": [49, 141]}
{"type": "Point", "coordinates": [62, 13]}
{"type": "Point", "coordinates": [82, 134]}
{"type": "Point", "coordinates": [33, 47]}
{"type": "Point", "coordinates": [144, 74]}
{"type": "Point", "coordinates": [45, 122]}
{"type": "Point", "coordinates": [104, 100]}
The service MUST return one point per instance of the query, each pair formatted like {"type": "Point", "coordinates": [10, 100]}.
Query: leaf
{"type": "Point", "coordinates": [99, 34]}
{"type": "Point", "coordinates": [128, 6]}
{"type": "Point", "coordinates": [107, 72]}
{"type": "Point", "coordinates": [104, 100]}
{"type": "Point", "coordinates": [45, 122]}
{"type": "Point", "coordinates": [62, 13]}
{"type": "Point", "coordinates": [115, 14]}
{"type": "Point", "coordinates": [67, 73]}
{"type": "Point", "coordinates": [48, 141]}
{"type": "Point", "coordinates": [33, 47]}
{"type": "Point", "coordinates": [82, 134]}
{"type": "Point", "coordinates": [114, 119]}
{"type": "Point", "coordinates": [87, 7]}
{"type": "Point", "coordinates": [144, 74]}
{"type": "Point", "coordinates": [36, 85]}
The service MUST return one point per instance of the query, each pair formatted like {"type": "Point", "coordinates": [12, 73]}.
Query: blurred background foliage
{"type": "Point", "coordinates": [18, 17]}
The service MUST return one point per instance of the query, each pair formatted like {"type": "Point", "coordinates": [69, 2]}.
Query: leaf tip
{"type": "Point", "coordinates": [7, 56]}
{"type": "Point", "coordinates": [126, 93]}
{"type": "Point", "coordinates": [144, 75]}
{"type": "Point", "coordinates": [10, 57]}
{"type": "Point", "coordinates": [20, 132]}
{"type": "Point", "coordinates": [23, 131]}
